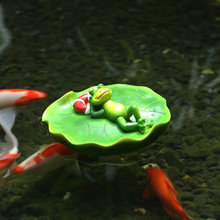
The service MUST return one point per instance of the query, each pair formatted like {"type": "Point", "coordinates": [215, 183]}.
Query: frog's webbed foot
{"type": "Point", "coordinates": [143, 125]}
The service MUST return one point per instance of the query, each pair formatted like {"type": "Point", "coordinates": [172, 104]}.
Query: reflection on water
{"type": "Point", "coordinates": [198, 83]}
{"type": "Point", "coordinates": [171, 48]}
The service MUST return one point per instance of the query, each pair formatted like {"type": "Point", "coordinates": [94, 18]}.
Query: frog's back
{"type": "Point", "coordinates": [113, 110]}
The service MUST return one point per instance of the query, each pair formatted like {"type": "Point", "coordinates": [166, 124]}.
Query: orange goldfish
{"type": "Point", "coordinates": [160, 185]}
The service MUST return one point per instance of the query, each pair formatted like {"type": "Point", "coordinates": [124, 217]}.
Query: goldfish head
{"type": "Point", "coordinates": [151, 169]}
{"type": "Point", "coordinates": [30, 96]}
{"type": "Point", "coordinates": [145, 167]}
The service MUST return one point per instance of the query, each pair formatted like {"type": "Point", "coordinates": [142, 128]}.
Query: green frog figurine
{"type": "Point", "coordinates": [102, 105]}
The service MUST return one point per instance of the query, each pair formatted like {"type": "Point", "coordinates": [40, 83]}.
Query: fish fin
{"type": "Point", "coordinates": [76, 168]}
{"type": "Point", "coordinates": [171, 189]}
{"type": "Point", "coordinates": [7, 119]}
{"type": "Point", "coordinates": [88, 176]}
{"type": "Point", "coordinates": [110, 172]}
{"type": "Point", "coordinates": [185, 216]}
{"type": "Point", "coordinates": [72, 167]}
{"type": "Point", "coordinates": [169, 212]}
{"type": "Point", "coordinates": [177, 212]}
{"type": "Point", "coordinates": [147, 193]}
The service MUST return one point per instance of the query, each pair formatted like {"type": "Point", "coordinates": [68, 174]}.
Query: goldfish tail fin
{"type": "Point", "coordinates": [169, 212]}
{"type": "Point", "coordinates": [147, 193]}
{"type": "Point", "coordinates": [177, 212]}
{"type": "Point", "coordinates": [185, 216]}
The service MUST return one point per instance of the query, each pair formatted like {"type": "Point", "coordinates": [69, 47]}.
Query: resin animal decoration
{"type": "Point", "coordinates": [102, 105]}
{"type": "Point", "coordinates": [107, 120]}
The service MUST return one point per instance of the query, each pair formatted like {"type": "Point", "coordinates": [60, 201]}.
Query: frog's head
{"type": "Point", "coordinates": [100, 95]}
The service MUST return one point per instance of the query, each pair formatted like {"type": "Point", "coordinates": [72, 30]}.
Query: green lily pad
{"type": "Point", "coordinates": [100, 136]}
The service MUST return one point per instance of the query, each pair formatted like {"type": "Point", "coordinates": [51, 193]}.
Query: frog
{"type": "Point", "coordinates": [102, 105]}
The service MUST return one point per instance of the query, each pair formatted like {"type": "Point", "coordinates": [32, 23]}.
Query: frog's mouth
{"type": "Point", "coordinates": [101, 95]}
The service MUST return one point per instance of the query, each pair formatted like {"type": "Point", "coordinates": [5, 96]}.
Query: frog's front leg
{"type": "Point", "coordinates": [95, 114]}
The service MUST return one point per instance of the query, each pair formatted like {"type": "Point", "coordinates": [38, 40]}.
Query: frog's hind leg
{"type": "Point", "coordinates": [141, 123]}
{"type": "Point", "coordinates": [126, 126]}
{"type": "Point", "coordinates": [133, 110]}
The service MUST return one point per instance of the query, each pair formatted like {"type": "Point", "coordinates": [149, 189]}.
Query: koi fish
{"type": "Point", "coordinates": [160, 185]}
{"type": "Point", "coordinates": [19, 97]}
{"type": "Point", "coordinates": [48, 158]}
{"type": "Point", "coordinates": [10, 99]}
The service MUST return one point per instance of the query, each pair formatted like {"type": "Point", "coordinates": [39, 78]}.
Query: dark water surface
{"type": "Point", "coordinates": [170, 46]}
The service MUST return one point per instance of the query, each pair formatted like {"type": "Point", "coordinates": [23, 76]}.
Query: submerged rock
{"type": "Point", "coordinates": [187, 196]}
{"type": "Point", "coordinates": [141, 211]}
{"type": "Point", "coordinates": [173, 159]}
{"type": "Point", "coordinates": [198, 153]}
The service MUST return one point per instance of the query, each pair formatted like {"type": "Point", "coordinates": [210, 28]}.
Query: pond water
{"type": "Point", "coordinates": [172, 47]}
